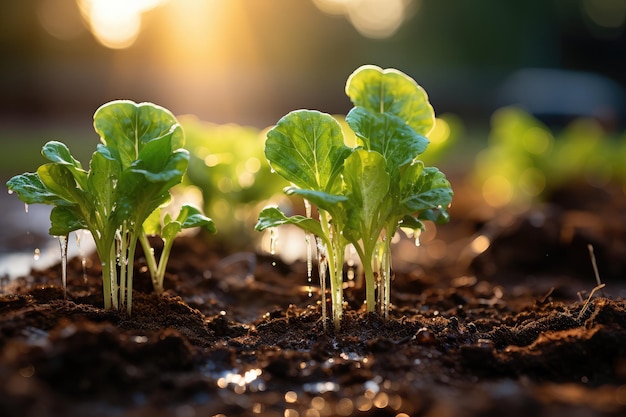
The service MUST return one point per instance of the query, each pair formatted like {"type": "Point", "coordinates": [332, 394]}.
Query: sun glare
{"type": "Point", "coordinates": [116, 23]}
{"type": "Point", "coordinates": [371, 18]}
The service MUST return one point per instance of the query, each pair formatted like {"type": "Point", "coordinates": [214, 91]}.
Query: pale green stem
{"type": "Point", "coordinates": [370, 283]}
{"type": "Point", "coordinates": [131, 270]}
{"type": "Point", "coordinates": [165, 254]}
{"type": "Point", "coordinates": [106, 283]}
{"type": "Point", "coordinates": [150, 259]}
{"type": "Point", "coordinates": [334, 270]}
{"type": "Point", "coordinates": [123, 263]}
{"type": "Point", "coordinates": [112, 261]}
{"type": "Point", "coordinates": [337, 283]}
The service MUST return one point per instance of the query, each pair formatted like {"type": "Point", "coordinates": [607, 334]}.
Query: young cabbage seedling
{"type": "Point", "coordinates": [129, 177]}
{"type": "Point", "coordinates": [363, 194]}
{"type": "Point", "coordinates": [188, 217]}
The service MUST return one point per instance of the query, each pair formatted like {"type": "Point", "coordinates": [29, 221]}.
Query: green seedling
{"type": "Point", "coordinates": [364, 193]}
{"type": "Point", "coordinates": [139, 159]}
{"type": "Point", "coordinates": [168, 228]}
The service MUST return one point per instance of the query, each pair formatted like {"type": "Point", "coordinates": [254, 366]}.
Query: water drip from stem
{"type": "Point", "coordinates": [309, 250]}
{"type": "Point", "coordinates": [63, 246]}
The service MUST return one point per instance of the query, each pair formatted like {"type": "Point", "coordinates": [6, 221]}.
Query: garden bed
{"type": "Point", "coordinates": [507, 332]}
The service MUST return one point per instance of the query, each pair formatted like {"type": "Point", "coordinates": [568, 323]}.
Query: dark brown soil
{"type": "Point", "coordinates": [500, 332]}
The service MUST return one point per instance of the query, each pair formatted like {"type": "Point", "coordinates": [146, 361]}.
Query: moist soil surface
{"type": "Point", "coordinates": [500, 320]}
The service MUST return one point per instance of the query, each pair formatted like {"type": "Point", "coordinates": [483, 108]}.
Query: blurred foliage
{"type": "Point", "coordinates": [445, 134]}
{"type": "Point", "coordinates": [227, 164]}
{"type": "Point", "coordinates": [525, 160]}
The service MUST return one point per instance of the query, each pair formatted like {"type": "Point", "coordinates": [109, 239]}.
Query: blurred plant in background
{"type": "Point", "coordinates": [228, 167]}
{"type": "Point", "coordinates": [525, 160]}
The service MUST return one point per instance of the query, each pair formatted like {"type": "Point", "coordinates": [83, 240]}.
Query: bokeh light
{"type": "Point", "coordinates": [60, 18]}
{"type": "Point", "coordinates": [116, 23]}
{"type": "Point", "coordinates": [606, 13]}
{"type": "Point", "coordinates": [371, 18]}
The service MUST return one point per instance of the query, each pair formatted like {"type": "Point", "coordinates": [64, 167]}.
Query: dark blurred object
{"type": "Point", "coordinates": [557, 97]}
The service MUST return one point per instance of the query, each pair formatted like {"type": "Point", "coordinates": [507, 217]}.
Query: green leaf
{"type": "Point", "coordinates": [141, 191]}
{"type": "Point", "coordinates": [31, 190]}
{"type": "Point", "coordinates": [158, 163]}
{"type": "Point", "coordinates": [170, 230]}
{"type": "Point", "coordinates": [322, 200]}
{"type": "Point", "coordinates": [66, 219]}
{"type": "Point", "coordinates": [104, 174]}
{"type": "Point", "coordinates": [59, 180]}
{"type": "Point", "coordinates": [410, 222]}
{"type": "Point", "coordinates": [429, 190]}
{"type": "Point", "coordinates": [273, 217]}
{"type": "Point", "coordinates": [307, 148]}
{"type": "Point", "coordinates": [188, 217]}
{"type": "Point", "coordinates": [388, 135]}
{"type": "Point", "coordinates": [59, 153]}
{"type": "Point", "coordinates": [126, 127]}
{"type": "Point", "coordinates": [367, 187]}
{"type": "Point", "coordinates": [391, 91]}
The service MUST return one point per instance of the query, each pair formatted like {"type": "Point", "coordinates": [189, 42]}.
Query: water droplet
{"type": "Point", "coordinates": [10, 191]}
{"type": "Point", "coordinates": [37, 254]}
{"type": "Point", "coordinates": [26, 208]}
{"type": "Point", "coordinates": [63, 246]}
{"type": "Point", "coordinates": [309, 249]}
{"type": "Point", "coordinates": [273, 239]}
{"type": "Point", "coordinates": [322, 264]}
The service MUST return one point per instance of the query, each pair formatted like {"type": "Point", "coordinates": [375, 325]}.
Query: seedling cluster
{"type": "Point", "coordinates": [119, 199]}
{"type": "Point", "coordinates": [362, 194]}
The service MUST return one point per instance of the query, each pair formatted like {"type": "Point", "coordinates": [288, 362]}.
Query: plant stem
{"type": "Point", "coordinates": [335, 263]}
{"type": "Point", "coordinates": [131, 270]}
{"type": "Point", "coordinates": [123, 262]}
{"type": "Point", "coordinates": [160, 275]}
{"type": "Point", "coordinates": [151, 261]}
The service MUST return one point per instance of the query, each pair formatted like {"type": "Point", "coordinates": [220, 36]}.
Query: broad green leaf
{"type": "Point", "coordinates": [410, 222]}
{"type": "Point", "coordinates": [145, 185]}
{"type": "Point", "coordinates": [307, 148]}
{"type": "Point", "coordinates": [102, 181]}
{"type": "Point", "coordinates": [191, 216]}
{"type": "Point", "coordinates": [31, 190]}
{"type": "Point", "coordinates": [410, 175]}
{"type": "Point", "coordinates": [273, 217]}
{"type": "Point", "coordinates": [158, 162]}
{"type": "Point", "coordinates": [321, 199]}
{"type": "Point", "coordinates": [127, 126]}
{"type": "Point", "coordinates": [59, 153]}
{"type": "Point", "coordinates": [59, 180]}
{"type": "Point", "coordinates": [388, 135]}
{"type": "Point", "coordinates": [391, 91]}
{"type": "Point", "coordinates": [430, 190]}
{"type": "Point", "coordinates": [170, 230]}
{"type": "Point", "coordinates": [66, 219]}
{"type": "Point", "coordinates": [367, 186]}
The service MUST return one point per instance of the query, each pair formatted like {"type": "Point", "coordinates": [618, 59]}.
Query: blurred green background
{"type": "Point", "coordinates": [248, 62]}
